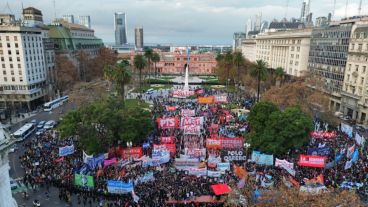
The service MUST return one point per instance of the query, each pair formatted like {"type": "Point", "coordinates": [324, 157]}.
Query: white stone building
{"type": "Point", "coordinates": [286, 49]}
{"type": "Point", "coordinates": [248, 47]}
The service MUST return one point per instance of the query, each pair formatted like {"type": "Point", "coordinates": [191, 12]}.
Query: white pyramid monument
{"type": "Point", "coordinates": [6, 199]}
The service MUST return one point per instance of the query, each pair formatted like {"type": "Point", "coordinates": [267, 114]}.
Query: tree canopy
{"type": "Point", "coordinates": [103, 124]}
{"type": "Point", "coordinates": [274, 131]}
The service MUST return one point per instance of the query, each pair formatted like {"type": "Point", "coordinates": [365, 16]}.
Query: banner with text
{"type": "Point", "coordinates": [195, 153]}
{"type": "Point", "coordinates": [187, 112]}
{"type": "Point", "coordinates": [312, 161]}
{"type": "Point", "coordinates": [182, 93]}
{"type": "Point", "coordinates": [321, 151]}
{"type": "Point", "coordinates": [205, 100]}
{"type": "Point", "coordinates": [223, 166]}
{"type": "Point", "coordinates": [133, 152]}
{"type": "Point", "coordinates": [288, 166]}
{"type": "Point", "coordinates": [119, 187]}
{"type": "Point", "coordinates": [225, 143]}
{"type": "Point", "coordinates": [67, 150]}
{"type": "Point", "coordinates": [191, 121]}
{"type": "Point", "coordinates": [220, 99]}
{"type": "Point", "coordinates": [262, 159]}
{"type": "Point", "coordinates": [168, 123]}
{"type": "Point", "coordinates": [323, 135]}
{"type": "Point", "coordinates": [192, 130]}
{"type": "Point", "coordinates": [233, 155]}
{"type": "Point", "coordinates": [169, 147]}
{"type": "Point", "coordinates": [167, 140]}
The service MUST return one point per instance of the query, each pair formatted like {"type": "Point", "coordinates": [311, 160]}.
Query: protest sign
{"type": "Point", "coordinates": [312, 161]}
{"type": "Point", "coordinates": [182, 93]}
{"type": "Point", "coordinates": [148, 176]}
{"type": "Point", "coordinates": [192, 130]}
{"type": "Point", "coordinates": [156, 160]}
{"type": "Point", "coordinates": [223, 166]}
{"type": "Point", "coordinates": [220, 98]}
{"type": "Point", "coordinates": [321, 151]}
{"type": "Point", "coordinates": [119, 187]}
{"type": "Point", "coordinates": [187, 112]}
{"type": "Point", "coordinates": [67, 150]}
{"type": "Point", "coordinates": [170, 108]}
{"type": "Point", "coordinates": [225, 143]}
{"type": "Point", "coordinates": [197, 171]}
{"type": "Point", "coordinates": [185, 163]}
{"type": "Point", "coordinates": [288, 166]}
{"type": "Point", "coordinates": [83, 180]}
{"type": "Point", "coordinates": [168, 123]}
{"type": "Point", "coordinates": [110, 161]}
{"type": "Point", "coordinates": [169, 147]}
{"type": "Point", "coordinates": [191, 121]}
{"type": "Point", "coordinates": [167, 140]}
{"type": "Point", "coordinates": [195, 153]}
{"type": "Point", "coordinates": [213, 174]}
{"type": "Point", "coordinates": [262, 159]}
{"type": "Point", "coordinates": [233, 155]}
{"type": "Point", "coordinates": [205, 100]}
{"type": "Point", "coordinates": [132, 152]}
{"type": "Point", "coordinates": [323, 135]}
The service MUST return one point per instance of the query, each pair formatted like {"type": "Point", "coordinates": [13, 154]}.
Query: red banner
{"type": "Point", "coordinates": [168, 123]}
{"type": "Point", "coordinates": [133, 152]}
{"type": "Point", "coordinates": [168, 147]}
{"type": "Point", "coordinates": [312, 161]}
{"type": "Point", "coordinates": [205, 100]}
{"type": "Point", "coordinates": [182, 93]}
{"type": "Point", "coordinates": [167, 140]}
{"type": "Point", "coordinates": [170, 108]}
{"type": "Point", "coordinates": [224, 143]}
{"type": "Point", "coordinates": [191, 121]}
{"type": "Point", "coordinates": [322, 134]}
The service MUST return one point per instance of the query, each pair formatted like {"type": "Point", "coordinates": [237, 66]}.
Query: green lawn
{"type": "Point", "coordinates": [131, 103]}
{"type": "Point", "coordinates": [153, 86]}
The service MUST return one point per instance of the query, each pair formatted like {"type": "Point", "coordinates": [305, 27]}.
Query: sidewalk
{"type": "Point", "coordinates": [16, 119]}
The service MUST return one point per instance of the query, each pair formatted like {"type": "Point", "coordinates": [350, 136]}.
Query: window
{"type": "Point", "coordinates": [5, 79]}
{"type": "Point", "coordinates": [18, 59]}
{"type": "Point", "coordinates": [356, 68]}
{"type": "Point", "coordinates": [349, 67]}
{"type": "Point", "coordinates": [4, 72]}
{"type": "Point", "coordinates": [7, 38]}
{"type": "Point", "coordinates": [364, 67]}
{"type": "Point", "coordinates": [298, 49]}
{"type": "Point", "coordinates": [19, 66]}
{"type": "Point", "coordinates": [20, 79]}
{"type": "Point", "coordinates": [13, 79]}
{"type": "Point", "coordinates": [9, 52]}
{"type": "Point", "coordinates": [20, 72]}
{"type": "Point", "coordinates": [2, 59]}
{"type": "Point", "coordinates": [12, 72]}
{"type": "Point", "coordinates": [3, 65]}
{"type": "Point", "coordinates": [10, 59]}
{"type": "Point", "coordinates": [11, 65]}
{"type": "Point", "coordinates": [362, 80]}
{"type": "Point", "coordinates": [17, 52]}
{"type": "Point", "coordinates": [8, 45]}
{"type": "Point", "coordinates": [15, 38]}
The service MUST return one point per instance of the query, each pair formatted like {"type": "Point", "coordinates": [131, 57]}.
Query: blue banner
{"type": "Point", "coordinates": [355, 156]}
{"type": "Point", "coordinates": [223, 166]}
{"type": "Point", "coordinates": [262, 159]}
{"type": "Point", "coordinates": [119, 187]}
{"type": "Point", "coordinates": [322, 151]}
{"type": "Point", "coordinates": [95, 161]}
{"type": "Point", "coordinates": [67, 150]}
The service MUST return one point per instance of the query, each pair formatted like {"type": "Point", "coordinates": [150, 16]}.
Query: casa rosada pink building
{"type": "Point", "coordinates": [174, 62]}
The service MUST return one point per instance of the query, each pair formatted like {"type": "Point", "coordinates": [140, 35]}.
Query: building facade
{"type": "Point", "coordinates": [174, 62]}
{"type": "Point", "coordinates": [138, 37]}
{"type": "Point", "coordinates": [249, 49]}
{"type": "Point", "coordinates": [23, 76]}
{"type": "Point", "coordinates": [238, 37]}
{"type": "Point", "coordinates": [354, 94]}
{"type": "Point", "coordinates": [286, 49]}
{"type": "Point", "coordinates": [69, 18]}
{"type": "Point", "coordinates": [120, 28]}
{"type": "Point", "coordinates": [328, 56]}
{"type": "Point", "coordinates": [85, 21]}
{"type": "Point", "coordinates": [32, 17]}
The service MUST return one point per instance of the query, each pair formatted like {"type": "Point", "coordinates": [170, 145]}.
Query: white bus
{"type": "Point", "coordinates": [24, 132]}
{"type": "Point", "coordinates": [49, 106]}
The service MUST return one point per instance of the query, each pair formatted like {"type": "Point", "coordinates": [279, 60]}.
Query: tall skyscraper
{"type": "Point", "coordinates": [249, 26]}
{"type": "Point", "coordinates": [138, 36]}
{"type": "Point", "coordinates": [85, 21]}
{"type": "Point", "coordinates": [305, 11]}
{"type": "Point", "coordinates": [257, 22]}
{"type": "Point", "coordinates": [120, 28]}
{"type": "Point", "coordinates": [69, 18]}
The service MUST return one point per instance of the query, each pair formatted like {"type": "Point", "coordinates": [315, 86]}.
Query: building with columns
{"type": "Point", "coordinates": [354, 94]}
{"type": "Point", "coordinates": [286, 49]}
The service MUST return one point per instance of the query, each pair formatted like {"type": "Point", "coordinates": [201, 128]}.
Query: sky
{"type": "Point", "coordinates": [180, 21]}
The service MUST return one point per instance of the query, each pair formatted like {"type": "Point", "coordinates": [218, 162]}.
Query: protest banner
{"type": "Point", "coordinates": [192, 130]}
{"type": "Point", "coordinates": [288, 166]}
{"type": "Point", "coordinates": [212, 161]}
{"type": "Point", "coordinates": [95, 161]}
{"type": "Point", "coordinates": [197, 171]}
{"type": "Point", "coordinates": [168, 123]}
{"type": "Point", "coordinates": [169, 147]}
{"type": "Point", "coordinates": [213, 143]}
{"type": "Point", "coordinates": [185, 163]}
{"type": "Point", "coordinates": [359, 139]}
{"type": "Point", "coordinates": [195, 153]}
{"type": "Point", "coordinates": [199, 90]}
{"type": "Point", "coordinates": [321, 151]}
{"type": "Point", "coordinates": [323, 135]}
{"type": "Point", "coordinates": [170, 108]}
{"type": "Point", "coordinates": [223, 166]}
{"type": "Point", "coordinates": [119, 187]}
{"type": "Point", "coordinates": [83, 180]}
{"type": "Point", "coordinates": [148, 176]}
{"type": "Point", "coordinates": [233, 155]}
{"type": "Point", "coordinates": [110, 161]}
{"type": "Point", "coordinates": [191, 121]}
{"type": "Point", "coordinates": [225, 143]}
{"type": "Point", "coordinates": [187, 112]}
{"type": "Point", "coordinates": [295, 183]}
{"type": "Point", "coordinates": [213, 174]}
{"type": "Point", "coordinates": [351, 185]}
{"type": "Point", "coordinates": [156, 160]}
{"type": "Point", "coordinates": [312, 161]}
{"type": "Point", "coordinates": [167, 140]}
{"type": "Point", "coordinates": [67, 150]}
{"type": "Point", "coordinates": [262, 159]}
{"type": "Point", "coordinates": [86, 157]}
{"type": "Point", "coordinates": [220, 98]}
{"type": "Point", "coordinates": [132, 152]}
{"type": "Point", "coordinates": [180, 93]}
{"type": "Point", "coordinates": [205, 100]}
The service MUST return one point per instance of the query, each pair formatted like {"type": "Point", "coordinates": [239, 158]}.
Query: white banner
{"type": "Point", "coordinates": [197, 171]}
{"type": "Point", "coordinates": [195, 153]}
{"type": "Point", "coordinates": [191, 121]}
{"type": "Point", "coordinates": [288, 166]}
{"type": "Point", "coordinates": [213, 174]}
{"type": "Point", "coordinates": [192, 129]}
{"type": "Point", "coordinates": [182, 93]}
{"type": "Point", "coordinates": [187, 112]}
{"type": "Point", "coordinates": [220, 99]}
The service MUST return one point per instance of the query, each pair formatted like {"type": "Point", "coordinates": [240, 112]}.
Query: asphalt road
{"type": "Point", "coordinates": [16, 171]}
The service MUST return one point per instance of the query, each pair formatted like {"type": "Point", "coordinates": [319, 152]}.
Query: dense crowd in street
{"type": "Point", "coordinates": [180, 160]}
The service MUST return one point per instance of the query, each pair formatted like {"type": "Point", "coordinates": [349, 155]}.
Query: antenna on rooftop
{"type": "Point", "coordinates": [360, 7]}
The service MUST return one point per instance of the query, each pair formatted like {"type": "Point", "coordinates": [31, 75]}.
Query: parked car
{"type": "Point", "coordinates": [13, 184]}
{"type": "Point", "coordinates": [40, 124]}
{"type": "Point", "coordinates": [34, 121]}
{"type": "Point", "coordinates": [40, 131]}
{"type": "Point", "coordinates": [49, 124]}
{"type": "Point", "coordinates": [13, 148]}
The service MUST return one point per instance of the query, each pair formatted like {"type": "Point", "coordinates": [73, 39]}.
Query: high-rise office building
{"type": "Point", "coordinates": [85, 21]}
{"type": "Point", "coordinates": [138, 37]}
{"type": "Point", "coordinates": [69, 18]}
{"type": "Point", "coordinates": [305, 15]}
{"type": "Point", "coordinates": [249, 26]}
{"type": "Point", "coordinates": [238, 37]}
{"type": "Point", "coordinates": [257, 22]}
{"type": "Point", "coordinates": [120, 28]}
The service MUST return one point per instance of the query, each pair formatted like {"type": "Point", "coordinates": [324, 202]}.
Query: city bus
{"type": "Point", "coordinates": [49, 106]}
{"type": "Point", "coordinates": [24, 132]}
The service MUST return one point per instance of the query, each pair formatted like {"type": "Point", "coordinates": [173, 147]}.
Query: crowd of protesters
{"type": "Point", "coordinates": [44, 168]}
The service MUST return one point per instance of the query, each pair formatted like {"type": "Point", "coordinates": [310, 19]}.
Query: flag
{"type": "Point", "coordinates": [350, 151]}
{"type": "Point", "coordinates": [86, 157]}
{"type": "Point", "coordinates": [355, 156]}
{"type": "Point", "coordinates": [240, 172]}
{"type": "Point", "coordinates": [60, 159]}
{"type": "Point", "coordinates": [348, 165]}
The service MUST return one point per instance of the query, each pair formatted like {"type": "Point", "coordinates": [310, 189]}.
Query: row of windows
{"type": "Point", "coordinates": [359, 47]}
{"type": "Point", "coordinates": [21, 78]}
{"type": "Point", "coordinates": [294, 41]}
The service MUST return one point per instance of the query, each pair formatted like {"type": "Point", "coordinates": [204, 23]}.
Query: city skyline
{"type": "Point", "coordinates": [181, 22]}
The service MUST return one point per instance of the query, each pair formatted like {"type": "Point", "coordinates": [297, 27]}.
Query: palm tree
{"type": "Point", "coordinates": [260, 72]}
{"type": "Point", "coordinates": [280, 75]}
{"type": "Point", "coordinates": [148, 53]}
{"type": "Point", "coordinates": [238, 60]}
{"type": "Point", "coordinates": [155, 59]}
{"type": "Point", "coordinates": [120, 74]}
{"type": "Point", "coordinates": [140, 63]}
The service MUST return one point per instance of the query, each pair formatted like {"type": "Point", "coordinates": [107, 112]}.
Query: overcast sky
{"type": "Point", "coordinates": [180, 21]}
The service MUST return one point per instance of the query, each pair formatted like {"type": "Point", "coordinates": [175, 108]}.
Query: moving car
{"type": "Point", "coordinates": [49, 125]}
{"type": "Point", "coordinates": [40, 124]}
